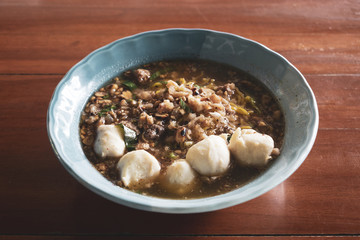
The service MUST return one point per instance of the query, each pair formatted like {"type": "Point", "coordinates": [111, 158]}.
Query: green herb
{"type": "Point", "coordinates": [106, 109]}
{"type": "Point", "coordinates": [130, 85]}
{"type": "Point", "coordinates": [130, 137]}
{"type": "Point", "coordinates": [106, 96]}
{"type": "Point", "coordinates": [253, 104]}
{"type": "Point", "coordinates": [163, 82]}
{"type": "Point", "coordinates": [184, 106]}
{"type": "Point", "coordinates": [172, 155]}
{"type": "Point", "coordinates": [109, 108]}
{"type": "Point", "coordinates": [157, 74]}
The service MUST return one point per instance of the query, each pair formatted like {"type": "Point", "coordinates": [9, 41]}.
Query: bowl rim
{"type": "Point", "coordinates": [191, 205]}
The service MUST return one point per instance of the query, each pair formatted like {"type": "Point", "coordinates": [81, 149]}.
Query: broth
{"type": "Point", "coordinates": [209, 99]}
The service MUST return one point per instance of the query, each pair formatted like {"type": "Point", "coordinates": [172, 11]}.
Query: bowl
{"type": "Point", "coordinates": [285, 82]}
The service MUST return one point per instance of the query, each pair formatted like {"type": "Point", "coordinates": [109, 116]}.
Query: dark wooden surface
{"type": "Point", "coordinates": [41, 40]}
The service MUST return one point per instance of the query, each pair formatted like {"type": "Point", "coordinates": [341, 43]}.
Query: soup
{"type": "Point", "coordinates": [182, 129]}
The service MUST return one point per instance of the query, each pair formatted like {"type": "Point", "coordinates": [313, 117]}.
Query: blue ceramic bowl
{"type": "Point", "coordinates": [281, 77]}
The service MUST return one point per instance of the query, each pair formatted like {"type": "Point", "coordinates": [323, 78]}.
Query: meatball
{"type": "Point", "coordinates": [179, 177]}
{"type": "Point", "coordinates": [209, 157]}
{"type": "Point", "coordinates": [109, 141]}
{"type": "Point", "coordinates": [250, 147]}
{"type": "Point", "coordinates": [137, 168]}
{"type": "Point", "coordinates": [142, 75]}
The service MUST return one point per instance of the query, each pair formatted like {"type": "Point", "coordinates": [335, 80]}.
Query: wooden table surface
{"type": "Point", "coordinates": [41, 40]}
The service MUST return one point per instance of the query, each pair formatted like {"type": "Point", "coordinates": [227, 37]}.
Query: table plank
{"type": "Point", "coordinates": [316, 37]}
{"type": "Point", "coordinates": [305, 17]}
{"type": "Point", "coordinates": [318, 198]}
{"type": "Point", "coordinates": [27, 237]}
{"type": "Point", "coordinates": [338, 100]}
{"type": "Point", "coordinates": [56, 53]}
{"type": "Point", "coordinates": [41, 197]}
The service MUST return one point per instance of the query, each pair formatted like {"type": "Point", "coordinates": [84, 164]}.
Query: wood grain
{"type": "Point", "coordinates": [19, 237]}
{"type": "Point", "coordinates": [321, 197]}
{"type": "Point", "coordinates": [312, 35]}
{"type": "Point", "coordinates": [41, 40]}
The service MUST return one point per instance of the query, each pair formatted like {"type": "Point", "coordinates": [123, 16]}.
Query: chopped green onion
{"type": "Point", "coordinates": [184, 106]}
{"type": "Point", "coordinates": [106, 109]}
{"type": "Point", "coordinates": [252, 103]}
{"type": "Point", "coordinates": [172, 155]}
{"type": "Point", "coordinates": [130, 85]}
{"type": "Point", "coordinates": [130, 147]}
{"type": "Point", "coordinates": [157, 74]}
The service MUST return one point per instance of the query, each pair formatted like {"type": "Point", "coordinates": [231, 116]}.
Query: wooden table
{"type": "Point", "coordinates": [41, 40]}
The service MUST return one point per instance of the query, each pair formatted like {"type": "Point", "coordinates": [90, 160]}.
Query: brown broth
{"type": "Point", "coordinates": [264, 107]}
